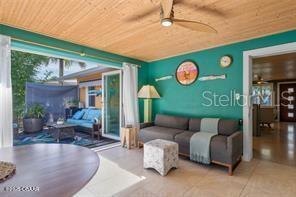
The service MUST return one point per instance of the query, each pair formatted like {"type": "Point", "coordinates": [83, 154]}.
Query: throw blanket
{"type": "Point", "coordinates": [200, 141]}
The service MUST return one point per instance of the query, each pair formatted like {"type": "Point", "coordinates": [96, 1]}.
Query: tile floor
{"type": "Point", "coordinates": [121, 174]}
{"type": "Point", "coordinates": [277, 144]}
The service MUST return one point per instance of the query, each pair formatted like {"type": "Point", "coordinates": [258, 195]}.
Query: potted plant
{"type": "Point", "coordinates": [33, 121]}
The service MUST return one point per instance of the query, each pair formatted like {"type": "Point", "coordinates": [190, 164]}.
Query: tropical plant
{"type": "Point", "coordinates": [35, 111]}
{"type": "Point", "coordinates": [24, 69]}
{"type": "Point", "coordinates": [64, 63]}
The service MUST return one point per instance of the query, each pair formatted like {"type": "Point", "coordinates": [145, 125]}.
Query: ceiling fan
{"type": "Point", "coordinates": [259, 79]}
{"type": "Point", "coordinates": [168, 19]}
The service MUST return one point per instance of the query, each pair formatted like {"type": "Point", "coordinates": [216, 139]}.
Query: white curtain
{"type": "Point", "coordinates": [6, 134]}
{"type": "Point", "coordinates": [130, 95]}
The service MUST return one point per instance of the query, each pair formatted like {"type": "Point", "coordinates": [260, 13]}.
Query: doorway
{"type": "Point", "coordinates": [247, 89]}
{"type": "Point", "coordinates": [273, 102]}
{"type": "Point", "coordinates": [112, 104]}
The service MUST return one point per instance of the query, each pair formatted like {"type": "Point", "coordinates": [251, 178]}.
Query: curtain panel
{"type": "Point", "coordinates": [6, 134]}
{"type": "Point", "coordinates": [130, 95]}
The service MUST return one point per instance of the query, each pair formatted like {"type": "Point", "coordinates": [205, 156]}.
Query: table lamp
{"type": "Point", "coordinates": [148, 92]}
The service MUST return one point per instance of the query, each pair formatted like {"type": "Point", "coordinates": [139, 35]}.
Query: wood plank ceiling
{"type": "Point", "coordinates": [103, 24]}
{"type": "Point", "coordinates": [275, 68]}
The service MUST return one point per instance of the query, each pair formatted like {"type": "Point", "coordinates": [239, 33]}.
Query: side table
{"type": "Point", "coordinates": [129, 137]}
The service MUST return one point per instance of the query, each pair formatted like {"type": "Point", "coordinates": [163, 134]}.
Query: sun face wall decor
{"type": "Point", "coordinates": [187, 73]}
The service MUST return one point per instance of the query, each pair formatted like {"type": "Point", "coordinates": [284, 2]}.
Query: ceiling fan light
{"type": "Point", "coordinates": [166, 22]}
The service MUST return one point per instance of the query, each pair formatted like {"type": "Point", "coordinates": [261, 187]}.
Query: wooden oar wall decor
{"type": "Point", "coordinates": [205, 78]}
{"type": "Point", "coordinates": [212, 77]}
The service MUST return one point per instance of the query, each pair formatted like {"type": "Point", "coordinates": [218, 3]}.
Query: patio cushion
{"type": "Point", "coordinates": [86, 111]}
{"type": "Point", "coordinates": [93, 113]}
{"type": "Point", "coordinates": [82, 123]}
{"type": "Point", "coordinates": [74, 121]}
{"type": "Point", "coordinates": [78, 115]}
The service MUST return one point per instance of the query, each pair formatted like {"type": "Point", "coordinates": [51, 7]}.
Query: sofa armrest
{"type": "Point", "coordinates": [235, 146]}
{"type": "Point", "coordinates": [146, 124]}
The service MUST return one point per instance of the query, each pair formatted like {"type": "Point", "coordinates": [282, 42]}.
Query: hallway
{"type": "Point", "coordinates": [277, 144]}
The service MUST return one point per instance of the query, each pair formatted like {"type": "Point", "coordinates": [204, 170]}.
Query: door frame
{"type": "Point", "coordinates": [278, 97]}
{"type": "Point", "coordinates": [119, 71]}
{"type": "Point", "coordinates": [247, 88]}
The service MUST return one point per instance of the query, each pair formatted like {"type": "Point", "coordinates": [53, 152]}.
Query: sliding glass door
{"type": "Point", "coordinates": [112, 103]}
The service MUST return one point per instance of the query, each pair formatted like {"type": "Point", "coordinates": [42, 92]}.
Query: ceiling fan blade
{"type": "Point", "coordinates": [142, 15]}
{"type": "Point", "coordinates": [206, 9]}
{"type": "Point", "coordinates": [167, 6]}
{"type": "Point", "coordinates": [196, 26]}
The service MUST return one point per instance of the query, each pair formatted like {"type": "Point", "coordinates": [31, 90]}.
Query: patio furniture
{"type": "Point", "coordinates": [162, 155]}
{"type": "Point", "coordinates": [85, 119]}
{"type": "Point", "coordinates": [62, 131]}
{"type": "Point", "coordinates": [96, 131]}
{"type": "Point", "coordinates": [48, 169]}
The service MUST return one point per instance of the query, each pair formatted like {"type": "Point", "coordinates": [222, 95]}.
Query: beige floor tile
{"type": "Point", "coordinates": [85, 193]}
{"type": "Point", "coordinates": [121, 173]}
{"type": "Point", "coordinates": [250, 191]}
{"type": "Point", "coordinates": [217, 184]}
{"type": "Point", "coordinates": [138, 192]}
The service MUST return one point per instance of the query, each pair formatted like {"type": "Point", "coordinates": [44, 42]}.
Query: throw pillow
{"type": "Point", "coordinates": [78, 115]}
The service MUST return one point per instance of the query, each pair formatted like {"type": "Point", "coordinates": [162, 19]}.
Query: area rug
{"type": "Point", "coordinates": [80, 139]}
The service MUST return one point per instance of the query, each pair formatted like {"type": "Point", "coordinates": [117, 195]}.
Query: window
{"type": "Point", "coordinates": [91, 96]}
{"type": "Point", "coordinates": [262, 94]}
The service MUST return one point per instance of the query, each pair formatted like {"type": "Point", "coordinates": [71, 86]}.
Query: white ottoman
{"type": "Point", "coordinates": [162, 155]}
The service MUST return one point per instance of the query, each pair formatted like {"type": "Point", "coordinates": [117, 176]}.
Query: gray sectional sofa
{"type": "Point", "coordinates": [225, 148]}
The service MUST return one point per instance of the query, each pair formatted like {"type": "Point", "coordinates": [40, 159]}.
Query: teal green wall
{"type": "Point", "coordinates": [52, 42]}
{"type": "Point", "coordinates": [187, 100]}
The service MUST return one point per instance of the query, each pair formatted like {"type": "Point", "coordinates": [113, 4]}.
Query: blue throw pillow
{"type": "Point", "coordinates": [94, 113]}
{"type": "Point", "coordinates": [78, 115]}
{"type": "Point", "coordinates": [85, 115]}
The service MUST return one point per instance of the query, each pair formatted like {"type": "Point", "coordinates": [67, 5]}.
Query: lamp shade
{"type": "Point", "coordinates": [148, 91]}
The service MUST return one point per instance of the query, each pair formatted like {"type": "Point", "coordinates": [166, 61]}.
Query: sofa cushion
{"type": "Point", "coordinates": [78, 122]}
{"type": "Point", "coordinates": [74, 121]}
{"type": "Point", "coordinates": [93, 113]}
{"type": "Point", "coordinates": [175, 122]}
{"type": "Point", "coordinates": [183, 139]}
{"type": "Point", "coordinates": [78, 115]}
{"type": "Point", "coordinates": [85, 111]}
{"type": "Point", "coordinates": [156, 132]}
{"type": "Point", "coordinates": [218, 149]}
{"type": "Point", "coordinates": [194, 124]}
{"type": "Point", "coordinates": [227, 127]}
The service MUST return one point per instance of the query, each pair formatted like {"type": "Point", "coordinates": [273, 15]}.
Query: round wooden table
{"type": "Point", "coordinates": [48, 169]}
